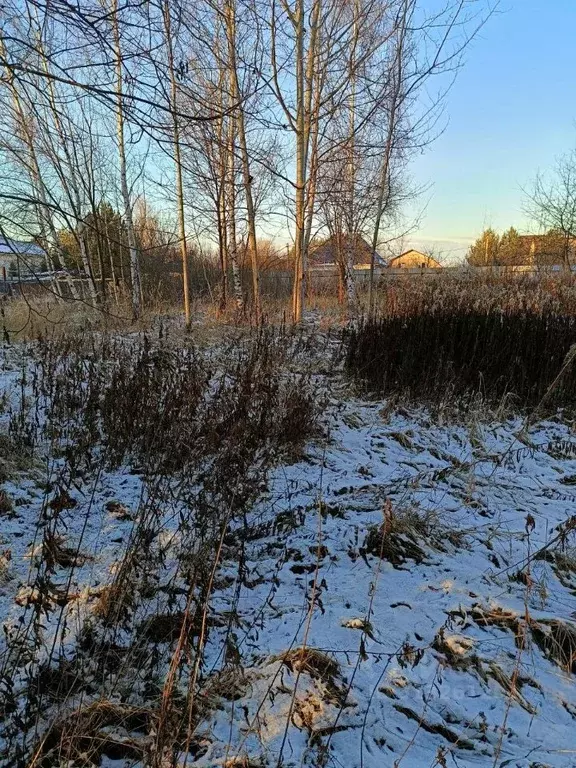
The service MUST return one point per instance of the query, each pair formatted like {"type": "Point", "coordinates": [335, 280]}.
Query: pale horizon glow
{"type": "Point", "coordinates": [510, 115]}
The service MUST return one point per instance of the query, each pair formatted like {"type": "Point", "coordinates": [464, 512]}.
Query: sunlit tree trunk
{"type": "Point", "coordinates": [111, 259]}
{"type": "Point", "coordinates": [135, 277]}
{"type": "Point", "coordinates": [231, 216]}
{"type": "Point", "coordinates": [305, 74]}
{"type": "Point", "coordinates": [177, 162]}
{"type": "Point", "coordinates": [395, 101]}
{"type": "Point", "coordinates": [238, 106]}
{"type": "Point", "coordinates": [351, 175]}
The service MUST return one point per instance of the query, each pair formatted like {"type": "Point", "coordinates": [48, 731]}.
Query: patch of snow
{"type": "Point", "coordinates": [395, 695]}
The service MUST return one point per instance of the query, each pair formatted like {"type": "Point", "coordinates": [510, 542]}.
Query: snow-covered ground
{"type": "Point", "coordinates": [398, 601]}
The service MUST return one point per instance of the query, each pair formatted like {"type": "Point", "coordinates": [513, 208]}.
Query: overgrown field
{"type": "Point", "coordinates": [38, 312]}
{"type": "Point", "coordinates": [139, 459]}
{"type": "Point", "coordinates": [502, 342]}
{"type": "Point", "coordinates": [221, 555]}
{"type": "Point", "coordinates": [403, 296]}
{"type": "Point", "coordinates": [517, 359]}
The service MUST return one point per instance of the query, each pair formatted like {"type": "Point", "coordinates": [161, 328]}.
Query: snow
{"type": "Point", "coordinates": [364, 464]}
{"type": "Point", "coordinates": [419, 680]}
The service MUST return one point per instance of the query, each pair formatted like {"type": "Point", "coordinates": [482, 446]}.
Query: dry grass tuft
{"type": "Point", "coordinates": [313, 662]}
{"type": "Point", "coordinates": [557, 639]}
{"type": "Point", "coordinates": [56, 552]}
{"type": "Point", "coordinates": [399, 538]}
{"type": "Point", "coordinates": [6, 504]}
{"type": "Point", "coordinates": [102, 729]}
{"type": "Point", "coordinates": [319, 667]}
{"type": "Point", "coordinates": [230, 684]}
{"type": "Point", "coordinates": [394, 546]}
{"type": "Point", "coordinates": [114, 603]}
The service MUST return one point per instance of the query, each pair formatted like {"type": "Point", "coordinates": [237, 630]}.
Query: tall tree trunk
{"type": "Point", "coordinates": [300, 198]}
{"type": "Point", "coordinates": [231, 216]}
{"type": "Point", "coordinates": [111, 260]}
{"type": "Point", "coordinates": [340, 261]}
{"type": "Point", "coordinates": [238, 105]}
{"type": "Point", "coordinates": [135, 276]}
{"type": "Point", "coordinates": [99, 254]}
{"type": "Point", "coordinates": [178, 163]}
{"type": "Point", "coordinates": [222, 255]}
{"type": "Point", "coordinates": [396, 97]}
{"type": "Point", "coordinates": [221, 170]}
{"type": "Point", "coordinates": [305, 115]}
{"type": "Point", "coordinates": [313, 174]}
{"type": "Point", "coordinates": [351, 175]}
{"type": "Point", "coordinates": [85, 259]}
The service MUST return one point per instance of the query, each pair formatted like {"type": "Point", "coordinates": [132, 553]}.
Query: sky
{"type": "Point", "coordinates": [510, 114]}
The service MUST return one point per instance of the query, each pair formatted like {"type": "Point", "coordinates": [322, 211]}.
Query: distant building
{"type": "Point", "coordinates": [328, 255]}
{"type": "Point", "coordinates": [546, 251]}
{"type": "Point", "coordinates": [413, 260]}
{"type": "Point", "coordinates": [23, 257]}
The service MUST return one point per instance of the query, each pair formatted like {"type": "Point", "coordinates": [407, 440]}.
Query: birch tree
{"type": "Point", "coordinates": [173, 101]}
{"type": "Point", "coordinates": [424, 46]}
{"type": "Point", "coordinates": [304, 31]}
{"type": "Point", "coordinates": [135, 277]}
{"type": "Point", "coordinates": [237, 99]}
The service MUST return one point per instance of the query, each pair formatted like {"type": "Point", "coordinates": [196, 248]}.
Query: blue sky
{"type": "Point", "coordinates": [511, 112]}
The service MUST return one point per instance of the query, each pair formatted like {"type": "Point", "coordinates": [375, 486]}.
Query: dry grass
{"type": "Point", "coordinates": [313, 662]}
{"type": "Point", "coordinates": [320, 667]}
{"type": "Point", "coordinates": [38, 311]}
{"type": "Point", "coordinates": [557, 639]}
{"type": "Point", "coordinates": [456, 356]}
{"type": "Point", "coordinates": [202, 428]}
{"type": "Point", "coordinates": [101, 729]}
{"type": "Point", "coordinates": [6, 504]}
{"type": "Point", "coordinates": [404, 534]}
{"type": "Point", "coordinates": [211, 423]}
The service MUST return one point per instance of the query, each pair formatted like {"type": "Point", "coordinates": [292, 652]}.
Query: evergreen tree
{"type": "Point", "coordinates": [511, 251]}
{"type": "Point", "coordinates": [485, 251]}
{"type": "Point", "coordinates": [106, 244]}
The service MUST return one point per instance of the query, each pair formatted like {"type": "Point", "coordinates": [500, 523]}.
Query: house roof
{"type": "Point", "coordinates": [20, 248]}
{"type": "Point", "coordinates": [427, 259]}
{"type": "Point", "coordinates": [326, 254]}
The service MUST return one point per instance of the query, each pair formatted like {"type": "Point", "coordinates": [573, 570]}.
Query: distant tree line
{"type": "Point", "coordinates": [551, 204]}
{"type": "Point", "coordinates": [511, 249]}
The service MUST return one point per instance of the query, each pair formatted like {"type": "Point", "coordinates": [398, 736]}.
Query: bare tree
{"type": "Point", "coordinates": [552, 204]}
{"type": "Point", "coordinates": [232, 234]}
{"type": "Point", "coordinates": [237, 99]}
{"type": "Point", "coordinates": [300, 112]}
{"type": "Point", "coordinates": [423, 47]}
{"type": "Point", "coordinates": [305, 38]}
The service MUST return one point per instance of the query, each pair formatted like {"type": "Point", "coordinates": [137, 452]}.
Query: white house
{"type": "Point", "coordinates": [26, 257]}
